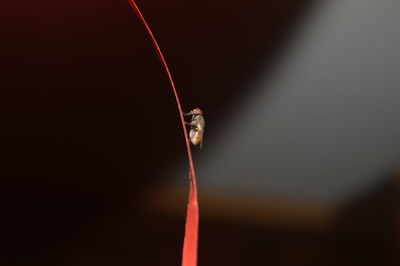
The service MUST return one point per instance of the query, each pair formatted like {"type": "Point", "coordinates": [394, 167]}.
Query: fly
{"type": "Point", "coordinates": [197, 125]}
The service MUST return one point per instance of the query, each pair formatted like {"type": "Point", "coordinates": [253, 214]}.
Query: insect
{"type": "Point", "coordinates": [197, 125]}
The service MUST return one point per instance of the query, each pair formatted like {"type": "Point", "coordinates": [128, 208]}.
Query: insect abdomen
{"type": "Point", "coordinates": [196, 136]}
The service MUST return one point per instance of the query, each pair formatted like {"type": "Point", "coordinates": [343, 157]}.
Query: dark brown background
{"type": "Point", "coordinates": [88, 122]}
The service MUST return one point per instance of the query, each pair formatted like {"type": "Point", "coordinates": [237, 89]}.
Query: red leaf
{"type": "Point", "coordinates": [189, 256]}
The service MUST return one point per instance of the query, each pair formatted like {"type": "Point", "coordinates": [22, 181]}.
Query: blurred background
{"type": "Point", "coordinates": [300, 163]}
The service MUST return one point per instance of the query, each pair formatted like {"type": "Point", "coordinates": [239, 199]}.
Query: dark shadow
{"type": "Point", "coordinates": [367, 229]}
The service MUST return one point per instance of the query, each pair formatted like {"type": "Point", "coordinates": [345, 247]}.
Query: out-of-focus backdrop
{"type": "Point", "coordinates": [300, 164]}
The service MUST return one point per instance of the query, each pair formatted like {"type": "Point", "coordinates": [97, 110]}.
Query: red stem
{"type": "Point", "coordinates": [189, 256]}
